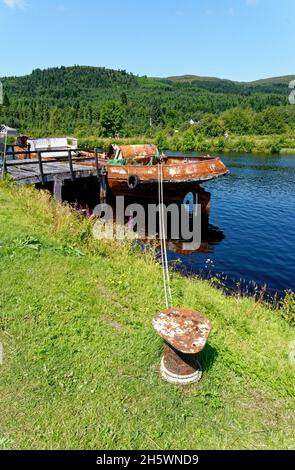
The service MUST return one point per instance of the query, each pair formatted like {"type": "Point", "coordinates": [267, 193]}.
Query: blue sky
{"type": "Point", "coordinates": [235, 39]}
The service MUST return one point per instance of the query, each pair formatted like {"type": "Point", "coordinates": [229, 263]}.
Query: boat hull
{"type": "Point", "coordinates": [180, 176]}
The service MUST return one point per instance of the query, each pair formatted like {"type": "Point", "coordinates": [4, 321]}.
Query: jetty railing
{"type": "Point", "coordinates": [72, 157]}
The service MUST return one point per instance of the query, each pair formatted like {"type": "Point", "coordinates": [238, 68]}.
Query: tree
{"type": "Point", "coordinates": [124, 99]}
{"type": "Point", "coordinates": [6, 101]}
{"type": "Point", "coordinates": [188, 141]}
{"type": "Point", "coordinates": [55, 118]}
{"type": "Point", "coordinates": [111, 119]}
{"type": "Point", "coordinates": [270, 121]}
{"type": "Point", "coordinates": [238, 120]}
{"type": "Point", "coordinates": [161, 141]}
{"type": "Point", "coordinates": [211, 126]}
{"type": "Point", "coordinates": [156, 115]}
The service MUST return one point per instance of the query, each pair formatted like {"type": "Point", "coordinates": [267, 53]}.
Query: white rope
{"type": "Point", "coordinates": [164, 258]}
{"type": "Point", "coordinates": [164, 243]}
{"type": "Point", "coordinates": [161, 238]}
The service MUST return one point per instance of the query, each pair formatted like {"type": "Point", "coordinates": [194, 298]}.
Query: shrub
{"type": "Point", "coordinates": [211, 126]}
{"type": "Point", "coordinates": [238, 120]}
{"type": "Point", "coordinates": [219, 145]}
{"type": "Point", "coordinates": [161, 141]}
{"type": "Point", "coordinates": [175, 143]}
{"type": "Point", "coordinates": [277, 145]}
{"type": "Point", "coordinates": [288, 307]}
{"type": "Point", "coordinates": [244, 145]}
{"type": "Point", "coordinates": [188, 141]}
{"type": "Point", "coordinates": [202, 145]}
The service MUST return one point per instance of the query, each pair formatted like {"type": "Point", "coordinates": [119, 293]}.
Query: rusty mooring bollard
{"type": "Point", "coordinates": [185, 333]}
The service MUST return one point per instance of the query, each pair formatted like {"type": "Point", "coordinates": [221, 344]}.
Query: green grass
{"type": "Point", "coordinates": [81, 364]}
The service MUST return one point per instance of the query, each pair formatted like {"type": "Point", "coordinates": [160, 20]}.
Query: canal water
{"type": "Point", "coordinates": [250, 242]}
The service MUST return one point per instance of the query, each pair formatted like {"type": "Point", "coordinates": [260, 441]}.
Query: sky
{"type": "Point", "coordinates": [235, 39]}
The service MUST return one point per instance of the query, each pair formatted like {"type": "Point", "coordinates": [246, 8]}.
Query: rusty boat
{"type": "Point", "coordinates": [133, 170]}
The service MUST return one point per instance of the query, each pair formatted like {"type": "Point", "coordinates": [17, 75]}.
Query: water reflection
{"type": "Point", "coordinates": [210, 234]}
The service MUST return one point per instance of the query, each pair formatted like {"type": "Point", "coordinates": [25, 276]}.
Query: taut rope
{"type": "Point", "coordinates": [162, 234]}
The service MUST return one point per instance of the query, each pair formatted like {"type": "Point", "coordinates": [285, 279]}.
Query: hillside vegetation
{"type": "Point", "coordinates": [81, 359]}
{"type": "Point", "coordinates": [89, 101]}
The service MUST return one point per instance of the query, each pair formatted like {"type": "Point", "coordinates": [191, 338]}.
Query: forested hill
{"type": "Point", "coordinates": [78, 99]}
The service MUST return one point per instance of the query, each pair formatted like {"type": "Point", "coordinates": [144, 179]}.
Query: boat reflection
{"type": "Point", "coordinates": [210, 235]}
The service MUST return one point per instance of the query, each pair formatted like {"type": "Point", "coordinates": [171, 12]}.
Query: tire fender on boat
{"type": "Point", "coordinates": [132, 181]}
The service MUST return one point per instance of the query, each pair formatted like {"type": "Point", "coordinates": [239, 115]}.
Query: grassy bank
{"type": "Point", "coordinates": [188, 141]}
{"type": "Point", "coordinates": [81, 360]}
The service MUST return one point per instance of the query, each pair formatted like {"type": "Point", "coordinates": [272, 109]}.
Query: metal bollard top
{"type": "Point", "coordinates": [184, 329]}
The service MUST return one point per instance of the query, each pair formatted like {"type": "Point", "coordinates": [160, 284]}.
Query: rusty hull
{"type": "Point", "coordinates": [180, 175]}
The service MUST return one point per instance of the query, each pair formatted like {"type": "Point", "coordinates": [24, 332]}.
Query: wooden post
{"type": "Point", "coordinates": [103, 186]}
{"type": "Point", "coordinates": [57, 189]}
{"type": "Point", "coordinates": [39, 154]}
{"type": "Point", "coordinates": [71, 165]}
{"type": "Point", "coordinates": [4, 166]}
{"type": "Point", "coordinates": [96, 163]}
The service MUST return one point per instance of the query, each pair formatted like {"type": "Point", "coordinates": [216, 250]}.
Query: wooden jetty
{"type": "Point", "coordinates": [77, 165]}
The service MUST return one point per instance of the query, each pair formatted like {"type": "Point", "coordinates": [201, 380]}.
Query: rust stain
{"type": "Point", "coordinates": [176, 171]}
{"type": "Point", "coordinates": [184, 329]}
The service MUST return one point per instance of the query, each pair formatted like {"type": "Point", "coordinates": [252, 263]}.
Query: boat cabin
{"type": "Point", "coordinates": [146, 154]}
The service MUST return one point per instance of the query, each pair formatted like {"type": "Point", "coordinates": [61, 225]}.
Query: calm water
{"type": "Point", "coordinates": [252, 241]}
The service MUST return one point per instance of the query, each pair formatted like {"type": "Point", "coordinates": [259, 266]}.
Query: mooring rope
{"type": "Point", "coordinates": [162, 233]}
